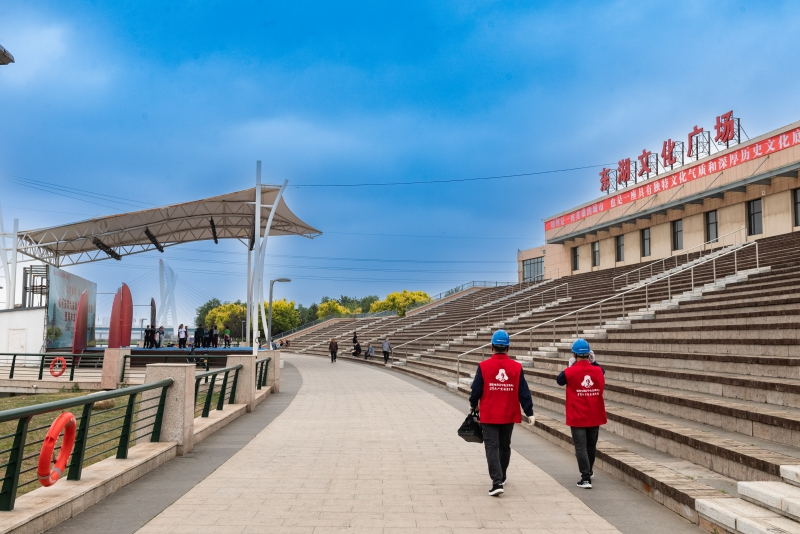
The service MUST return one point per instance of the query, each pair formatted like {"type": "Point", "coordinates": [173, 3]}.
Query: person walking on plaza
{"type": "Point", "coordinates": [333, 348]}
{"type": "Point", "coordinates": [498, 390]}
{"type": "Point", "coordinates": [148, 337]}
{"type": "Point", "coordinates": [182, 332]}
{"type": "Point", "coordinates": [386, 347]}
{"type": "Point", "coordinates": [585, 407]}
{"type": "Point", "coordinates": [370, 351]}
{"type": "Point", "coordinates": [159, 337]}
{"type": "Point", "coordinates": [215, 337]}
{"type": "Point", "coordinates": [207, 338]}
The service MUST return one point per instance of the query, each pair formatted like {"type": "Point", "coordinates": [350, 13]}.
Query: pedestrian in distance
{"type": "Point", "coordinates": [585, 407]}
{"type": "Point", "coordinates": [215, 337]}
{"type": "Point", "coordinates": [333, 348]}
{"type": "Point", "coordinates": [148, 337]}
{"type": "Point", "coordinates": [357, 350]}
{"type": "Point", "coordinates": [355, 338]}
{"type": "Point", "coordinates": [182, 331]}
{"type": "Point", "coordinates": [386, 347]}
{"type": "Point", "coordinates": [199, 336]}
{"type": "Point", "coordinates": [207, 337]}
{"type": "Point", "coordinates": [370, 351]}
{"type": "Point", "coordinates": [227, 337]}
{"type": "Point", "coordinates": [159, 337]}
{"type": "Point", "coordinates": [498, 391]}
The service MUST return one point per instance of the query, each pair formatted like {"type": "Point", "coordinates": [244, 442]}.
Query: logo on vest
{"type": "Point", "coordinates": [502, 376]}
{"type": "Point", "coordinates": [587, 382]}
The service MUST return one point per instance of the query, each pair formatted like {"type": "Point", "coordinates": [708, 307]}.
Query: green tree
{"type": "Point", "coordinates": [203, 310]}
{"type": "Point", "coordinates": [231, 314]}
{"type": "Point", "coordinates": [307, 315]}
{"type": "Point", "coordinates": [399, 301]}
{"type": "Point", "coordinates": [284, 316]}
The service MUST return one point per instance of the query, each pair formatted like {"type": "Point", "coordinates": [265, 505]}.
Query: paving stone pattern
{"type": "Point", "coordinates": [362, 451]}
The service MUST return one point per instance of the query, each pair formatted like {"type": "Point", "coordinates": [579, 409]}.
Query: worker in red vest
{"type": "Point", "coordinates": [500, 388]}
{"type": "Point", "coordinates": [586, 410]}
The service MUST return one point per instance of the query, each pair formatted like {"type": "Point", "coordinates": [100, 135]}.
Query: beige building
{"type": "Point", "coordinates": [742, 193]}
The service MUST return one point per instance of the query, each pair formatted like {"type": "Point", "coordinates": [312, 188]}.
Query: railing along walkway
{"type": "Point", "coordinates": [621, 296]}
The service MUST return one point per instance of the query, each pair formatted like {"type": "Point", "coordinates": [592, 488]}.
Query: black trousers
{"type": "Point", "coordinates": [497, 442]}
{"type": "Point", "coordinates": [181, 342]}
{"type": "Point", "coordinates": [333, 355]}
{"type": "Point", "coordinates": [386, 356]}
{"type": "Point", "coordinates": [585, 440]}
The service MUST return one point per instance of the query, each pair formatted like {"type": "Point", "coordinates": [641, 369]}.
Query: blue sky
{"type": "Point", "coordinates": [158, 102]}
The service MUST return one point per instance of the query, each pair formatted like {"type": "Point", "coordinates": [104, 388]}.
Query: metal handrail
{"type": "Point", "coordinates": [555, 289]}
{"type": "Point", "coordinates": [386, 313]}
{"type": "Point", "coordinates": [43, 356]}
{"type": "Point", "coordinates": [8, 492]}
{"type": "Point", "coordinates": [676, 256]}
{"type": "Point", "coordinates": [225, 371]}
{"type": "Point", "coordinates": [622, 294]}
{"type": "Point", "coordinates": [262, 371]}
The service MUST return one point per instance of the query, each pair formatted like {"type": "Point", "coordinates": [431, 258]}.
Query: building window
{"type": "Point", "coordinates": [646, 242]}
{"type": "Point", "coordinates": [712, 229]}
{"type": "Point", "coordinates": [575, 263]}
{"type": "Point", "coordinates": [620, 248]}
{"type": "Point", "coordinates": [677, 234]}
{"type": "Point", "coordinates": [533, 270]}
{"type": "Point", "coordinates": [596, 254]}
{"type": "Point", "coordinates": [796, 193]}
{"type": "Point", "coordinates": [754, 217]}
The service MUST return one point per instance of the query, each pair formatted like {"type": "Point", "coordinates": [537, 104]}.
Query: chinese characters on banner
{"type": "Point", "coordinates": [726, 132]}
{"type": "Point", "coordinates": [741, 155]}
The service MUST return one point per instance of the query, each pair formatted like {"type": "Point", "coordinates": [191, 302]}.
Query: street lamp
{"type": "Point", "coordinates": [5, 56]}
{"type": "Point", "coordinates": [269, 316]}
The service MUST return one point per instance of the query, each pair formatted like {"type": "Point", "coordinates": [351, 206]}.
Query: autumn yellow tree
{"type": "Point", "coordinates": [399, 301]}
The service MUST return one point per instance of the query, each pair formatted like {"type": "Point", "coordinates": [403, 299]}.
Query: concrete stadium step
{"type": "Point", "coordinates": [763, 507]}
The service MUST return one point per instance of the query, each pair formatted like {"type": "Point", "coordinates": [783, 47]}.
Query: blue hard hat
{"type": "Point", "coordinates": [581, 346]}
{"type": "Point", "coordinates": [500, 338]}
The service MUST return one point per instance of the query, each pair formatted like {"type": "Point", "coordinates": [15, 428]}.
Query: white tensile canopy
{"type": "Point", "coordinates": [115, 236]}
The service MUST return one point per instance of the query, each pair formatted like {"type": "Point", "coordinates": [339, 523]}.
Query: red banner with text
{"type": "Point", "coordinates": [656, 185]}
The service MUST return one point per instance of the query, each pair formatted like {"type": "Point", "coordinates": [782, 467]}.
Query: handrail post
{"type": "Point", "coordinates": [209, 394]}
{"type": "Point", "coordinates": [127, 423]}
{"type": "Point", "coordinates": [81, 439]}
{"type": "Point", "coordinates": [233, 387]}
{"type": "Point", "coordinates": [155, 436]}
{"type": "Point", "coordinates": [41, 366]}
{"type": "Point", "coordinates": [8, 493]}
{"type": "Point", "coordinates": [221, 401]}
{"type": "Point", "coordinates": [13, 364]}
{"type": "Point", "coordinates": [72, 369]}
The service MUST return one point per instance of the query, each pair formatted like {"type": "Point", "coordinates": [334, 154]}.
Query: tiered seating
{"type": "Point", "coordinates": [703, 366]}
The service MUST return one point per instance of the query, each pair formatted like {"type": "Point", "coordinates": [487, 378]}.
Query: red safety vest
{"type": "Point", "coordinates": [500, 399]}
{"type": "Point", "coordinates": [585, 405]}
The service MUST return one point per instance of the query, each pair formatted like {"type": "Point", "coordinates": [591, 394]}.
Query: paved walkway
{"type": "Point", "coordinates": [362, 451]}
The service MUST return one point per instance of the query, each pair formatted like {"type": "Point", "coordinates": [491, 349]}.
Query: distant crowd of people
{"type": "Point", "coordinates": [210, 338]}
{"type": "Point", "coordinates": [386, 347]}
{"type": "Point", "coordinates": [153, 337]}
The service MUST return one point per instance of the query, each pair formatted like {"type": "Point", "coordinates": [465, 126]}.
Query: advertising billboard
{"type": "Point", "coordinates": [63, 295]}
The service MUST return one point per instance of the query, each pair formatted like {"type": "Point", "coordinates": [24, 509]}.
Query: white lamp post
{"type": "Point", "coordinates": [269, 316]}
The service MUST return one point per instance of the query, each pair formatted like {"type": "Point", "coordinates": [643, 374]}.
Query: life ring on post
{"type": "Point", "coordinates": [65, 423]}
{"type": "Point", "coordinates": [59, 372]}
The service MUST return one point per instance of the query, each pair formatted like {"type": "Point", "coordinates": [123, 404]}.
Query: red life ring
{"type": "Point", "coordinates": [62, 361]}
{"type": "Point", "coordinates": [48, 475]}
